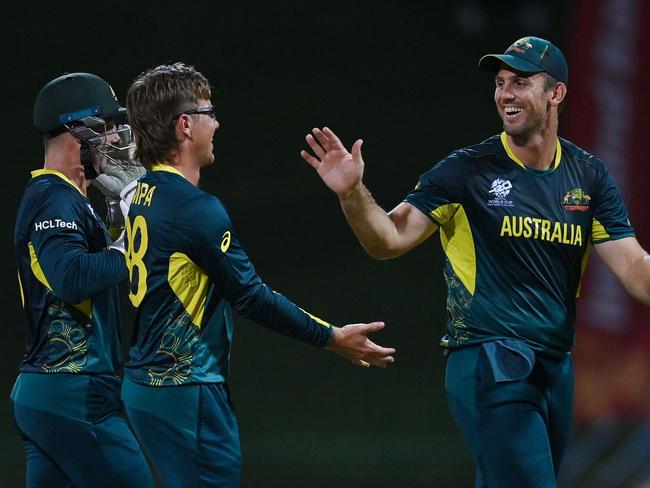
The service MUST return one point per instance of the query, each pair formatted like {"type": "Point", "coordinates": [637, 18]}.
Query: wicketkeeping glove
{"type": "Point", "coordinates": [123, 204]}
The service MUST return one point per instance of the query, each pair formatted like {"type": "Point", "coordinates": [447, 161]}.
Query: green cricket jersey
{"type": "Point", "coordinates": [517, 240]}
{"type": "Point", "coordinates": [68, 280]}
{"type": "Point", "coordinates": [187, 269]}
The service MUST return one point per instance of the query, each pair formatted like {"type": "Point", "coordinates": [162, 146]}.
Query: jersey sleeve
{"type": "Point", "coordinates": [60, 255]}
{"type": "Point", "coordinates": [439, 191]}
{"type": "Point", "coordinates": [610, 220]}
{"type": "Point", "coordinates": [217, 250]}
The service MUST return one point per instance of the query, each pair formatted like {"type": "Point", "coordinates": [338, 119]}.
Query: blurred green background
{"type": "Point", "coordinates": [401, 75]}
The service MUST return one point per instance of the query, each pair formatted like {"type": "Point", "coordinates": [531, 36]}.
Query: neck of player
{"type": "Point", "coordinates": [536, 150]}
{"type": "Point", "coordinates": [63, 156]}
{"type": "Point", "coordinates": [187, 166]}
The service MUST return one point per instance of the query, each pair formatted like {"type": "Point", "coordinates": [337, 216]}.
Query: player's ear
{"type": "Point", "coordinates": [184, 127]}
{"type": "Point", "coordinates": [559, 93]}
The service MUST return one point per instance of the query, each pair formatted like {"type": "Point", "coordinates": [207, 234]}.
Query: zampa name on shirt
{"type": "Point", "coordinates": [143, 194]}
{"type": "Point", "coordinates": [545, 230]}
{"type": "Point", "coordinates": [54, 224]}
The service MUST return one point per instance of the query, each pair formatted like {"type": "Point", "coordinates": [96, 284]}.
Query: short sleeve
{"type": "Point", "coordinates": [439, 191]}
{"type": "Point", "coordinates": [610, 219]}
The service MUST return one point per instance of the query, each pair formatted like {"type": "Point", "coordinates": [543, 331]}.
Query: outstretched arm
{"type": "Point", "coordinates": [383, 235]}
{"type": "Point", "coordinates": [216, 249]}
{"type": "Point", "coordinates": [631, 265]}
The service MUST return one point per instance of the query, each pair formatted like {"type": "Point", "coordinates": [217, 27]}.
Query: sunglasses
{"type": "Point", "coordinates": [209, 111]}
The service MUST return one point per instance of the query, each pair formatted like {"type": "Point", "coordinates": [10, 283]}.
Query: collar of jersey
{"type": "Point", "coordinates": [168, 168]}
{"type": "Point", "coordinates": [511, 155]}
{"type": "Point", "coordinates": [41, 172]}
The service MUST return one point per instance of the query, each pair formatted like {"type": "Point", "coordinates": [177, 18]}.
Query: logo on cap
{"type": "Point", "coordinates": [520, 45]}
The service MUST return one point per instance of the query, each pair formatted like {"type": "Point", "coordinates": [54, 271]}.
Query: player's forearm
{"type": "Point", "coordinates": [87, 274]}
{"type": "Point", "coordinates": [273, 310]}
{"type": "Point", "coordinates": [637, 281]}
{"type": "Point", "coordinates": [370, 223]}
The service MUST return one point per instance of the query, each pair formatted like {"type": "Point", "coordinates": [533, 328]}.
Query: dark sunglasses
{"type": "Point", "coordinates": [209, 111]}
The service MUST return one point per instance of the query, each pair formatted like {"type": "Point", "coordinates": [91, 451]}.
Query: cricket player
{"type": "Point", "coordinates": [66, 400]}
{"type": "Point", "coordinates": [187, 269]}
{"type": "Point", "coordinates": [517, 215]}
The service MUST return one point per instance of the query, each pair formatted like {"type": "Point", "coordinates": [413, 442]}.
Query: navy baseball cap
{"type": "Point", "coordinates": [530, 55]}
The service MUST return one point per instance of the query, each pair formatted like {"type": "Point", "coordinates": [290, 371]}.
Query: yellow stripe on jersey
{"type": "Point", "coordinates": [190, 284]}
{"type": "Point", "coordinates": [22, 293]}
{"type": "Point", "coordinates": [598, 231]}
{"type": "Point", "coordinates": [511, 154]}
{"type": "Point", "coordinates": [558, 154]}
{"type": "Point", "coordinates": [443, 213]}
{"type": "Point", "coordinates": [317, 319]}
{"type": "Point", "coordinates": [40, 172]}
{"type": "Point", "coordinates": [36, 267]}
{"type": "Point", "coordinates": [583, 265]}
{"type": "Point", "coordinates": [167, 168]}
{"type": "Point", "coordinates": [84, 307]}
{"type": "Point", "coordinates": [458, 244]}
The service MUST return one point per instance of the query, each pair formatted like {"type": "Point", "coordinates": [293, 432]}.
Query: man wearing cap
{"type": "Point", "coordinates": [517, 214]}
{"type": "Point", "coordinates": [66, 400]}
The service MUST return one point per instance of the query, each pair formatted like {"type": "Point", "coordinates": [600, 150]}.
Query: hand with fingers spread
{"type": "Point", "coordinates": [352, 343]}
{"type": "Point", "coordinates": [339, 169]}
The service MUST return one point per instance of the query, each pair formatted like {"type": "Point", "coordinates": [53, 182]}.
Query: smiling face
{"type": "Point", "coordinates": [523, 102]}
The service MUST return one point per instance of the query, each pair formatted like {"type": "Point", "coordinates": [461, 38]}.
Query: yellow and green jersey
{"type": "Point", "coordinates": [68, 280]}
{"type": "Point", "coordinates": [517, 240]}
{"type": "Point", "coordinates": [186, 270]}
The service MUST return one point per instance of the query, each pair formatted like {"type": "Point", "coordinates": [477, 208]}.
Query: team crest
{"type": "Point", "coordinates": [576, 199]}
{"type": "Point", "coordinates": [500, 189]}
{"type": "Point", "coordinates": [520, 45]}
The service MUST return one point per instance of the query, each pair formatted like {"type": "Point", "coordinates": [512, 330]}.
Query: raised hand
{"type": "Point", "coordinates": [352, 343]}
{"type": "Point", "coordinates": [340, 170]}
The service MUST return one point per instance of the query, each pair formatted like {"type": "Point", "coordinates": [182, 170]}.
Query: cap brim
{"type": "Point", "coordinates": [492, 62]}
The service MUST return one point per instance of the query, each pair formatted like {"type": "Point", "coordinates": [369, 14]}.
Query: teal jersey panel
{"type": "Point", "coordinates": [517, 240]}
{"type": "Point", "coordinates": [68, 280]}
{"type": "Point", "coordinates": [186, 270]}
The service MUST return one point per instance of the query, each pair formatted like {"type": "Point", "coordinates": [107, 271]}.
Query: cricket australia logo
{"type": "Point", "coordinates": [576, 199]}
{"type": "Point", "coordinates": [500, 189]}
{"type": "Point", "coordinates": [520, 45]}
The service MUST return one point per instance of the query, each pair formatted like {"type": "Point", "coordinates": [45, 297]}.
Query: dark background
{"type": "Point", "coordinates": [401, 75]}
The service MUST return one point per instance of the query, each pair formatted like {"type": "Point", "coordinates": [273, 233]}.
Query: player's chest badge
{"type": "Point", "coordinates": [499, 191]}
{"type": "Point", "coordinates": [576, 200]}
